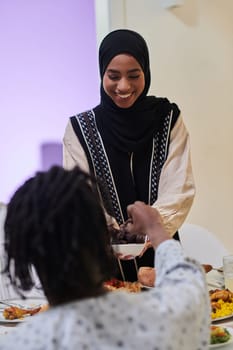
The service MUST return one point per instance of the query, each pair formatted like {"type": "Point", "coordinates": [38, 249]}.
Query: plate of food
{"type": "Point", "coordinates": [217, 319]}
{"type": "Point", "coordinates": [220, 336]}
{"type": "Point", "coordinates": [18, 310]}
{"type": "Point", "coordinates": [222, 304]}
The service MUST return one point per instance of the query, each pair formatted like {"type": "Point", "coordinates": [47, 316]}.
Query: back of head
{"type": "Point", "coordinates": [55, 222]}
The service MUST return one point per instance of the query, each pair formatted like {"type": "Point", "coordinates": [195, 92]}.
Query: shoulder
{"type": "Point", "coordinates": [174, 111]}
{"type": "Point", "coordinates": [166, 108]}
{"type": "Point", "coordinates": [87, 112]}
{"type": "Point", "coordinates": [74, 120]}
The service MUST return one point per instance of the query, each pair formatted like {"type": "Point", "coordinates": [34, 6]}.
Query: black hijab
{"type": "Point", "coordinates": [129, 129]}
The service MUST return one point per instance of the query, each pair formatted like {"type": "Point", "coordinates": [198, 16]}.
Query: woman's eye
{"type": "Point", "coordinates": [113, 77]}
{"type": "Point", "coordinates": [117, 77]}
{"type": "Point", "coordinates": [134, 76]}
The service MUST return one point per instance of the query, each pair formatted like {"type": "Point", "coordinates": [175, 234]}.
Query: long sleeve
{"type": "Point", "coordinates": [176, 186]}
{"type": "Point", "coordinates": [183, 296]}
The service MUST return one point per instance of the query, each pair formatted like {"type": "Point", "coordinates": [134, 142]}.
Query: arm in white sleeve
{"type": "Point", "coordinates": [183, 296]}
{"type": "Point", "coordinates": [176, 186]}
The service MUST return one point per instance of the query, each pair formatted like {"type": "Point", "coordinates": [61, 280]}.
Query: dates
{"type": "Point", "coordinates": [122, 236]}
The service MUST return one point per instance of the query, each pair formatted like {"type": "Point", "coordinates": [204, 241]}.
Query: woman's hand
{"type": "Point", "coordinates": [144, 218]}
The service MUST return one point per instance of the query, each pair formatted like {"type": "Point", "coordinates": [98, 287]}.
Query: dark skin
{"type": "Point", "coordinates": [144, 218]}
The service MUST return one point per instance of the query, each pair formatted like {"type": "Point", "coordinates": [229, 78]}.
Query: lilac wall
{"type": "Point", "coordinates": [48, 72]}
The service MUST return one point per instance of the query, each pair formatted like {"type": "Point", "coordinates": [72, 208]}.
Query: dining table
{"type": "Point", "coordinates": [214, 278]}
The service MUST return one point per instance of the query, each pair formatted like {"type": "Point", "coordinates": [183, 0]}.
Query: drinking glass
{"type": "Point", "coordinates": [228, 272]}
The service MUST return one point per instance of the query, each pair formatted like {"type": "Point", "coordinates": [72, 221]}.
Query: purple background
{"type": "Point", "coordinates": [48, 72]}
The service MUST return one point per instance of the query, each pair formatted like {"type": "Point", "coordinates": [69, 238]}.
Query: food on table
{"type": "Point", "coordinates": [115, 284]}
{"type": "Point", "coordinates": [221, 303]}
{"type": "Point", "coordinates": [14, 312]}
{"type": "Point", "coordinates": [146, 276]}
{"type": "Point", "coordinates": [122, 236]}
{"type": "Point", "coordinates": [224, 294]}
{"type": "Point", "coordinates": [219, 335]}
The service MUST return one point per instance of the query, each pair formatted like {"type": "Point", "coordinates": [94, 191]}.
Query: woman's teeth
{"type": "Point", "coordinates": [124, 96]}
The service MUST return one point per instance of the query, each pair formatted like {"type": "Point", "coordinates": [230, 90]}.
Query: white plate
{"type": "Point", "coordinates": [133, 249]}
{"type": "Point", "coordinates": [221, 345]}
{"type": "Point", "coordinates": [222, 318]}
{"type": "Point", "coordinates": [32, 302]}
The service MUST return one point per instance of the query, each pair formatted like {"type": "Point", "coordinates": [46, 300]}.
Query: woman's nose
{"type": "Point", "coordinates": [123, 85]}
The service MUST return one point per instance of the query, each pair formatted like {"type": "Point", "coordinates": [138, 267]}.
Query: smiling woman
{"type": "Point", "coordinates": [135, 145]}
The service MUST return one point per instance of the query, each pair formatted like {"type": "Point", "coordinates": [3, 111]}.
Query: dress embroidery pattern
{"type": "Point", "coordinates": [159, 155]}
{"type": "Point", "coordinates": [102, 168]}
{"type": "Point", "coordinates": [100, 164]}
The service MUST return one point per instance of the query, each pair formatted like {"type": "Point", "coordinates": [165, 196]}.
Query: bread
{"type": "Point", "coordinates": [146, 276]}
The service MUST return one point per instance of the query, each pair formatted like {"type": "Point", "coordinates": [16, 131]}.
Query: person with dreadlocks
{"type": "Point", "coordinates": [56, 224]}
{"type": "Point", "coordinates": [136, 145]}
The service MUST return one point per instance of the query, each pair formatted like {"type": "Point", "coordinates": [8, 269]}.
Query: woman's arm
{"type": "Point", "coordinates": [176, 186]}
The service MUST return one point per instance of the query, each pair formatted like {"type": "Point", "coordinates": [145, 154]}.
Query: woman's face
{"type": "Point", "coordinates": [124, 80]}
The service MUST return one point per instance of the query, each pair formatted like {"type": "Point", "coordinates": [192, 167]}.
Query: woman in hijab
{"type": "Point", "coordinates": [136, 145]}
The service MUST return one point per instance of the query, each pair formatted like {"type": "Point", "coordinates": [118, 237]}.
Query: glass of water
{"type": "Point", "coordinates": [228, 271]}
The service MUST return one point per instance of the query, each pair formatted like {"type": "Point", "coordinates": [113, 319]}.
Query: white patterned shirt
{"type": "Point", "coordinates": [175, 315]}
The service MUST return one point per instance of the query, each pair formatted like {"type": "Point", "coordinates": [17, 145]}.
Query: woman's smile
{"type": "Point", "coordinates": [124, 100]}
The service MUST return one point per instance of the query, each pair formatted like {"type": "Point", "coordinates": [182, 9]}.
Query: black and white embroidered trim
{"type": "Point", "coordinates": [100, 164]}
{"type": "Point", "coordinates": [159, 155]}
{"type": "Point", "coordinates": [102, 168]}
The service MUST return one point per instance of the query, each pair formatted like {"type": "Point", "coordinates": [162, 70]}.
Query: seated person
{"type": "Point", "coordinates": [55, 223]}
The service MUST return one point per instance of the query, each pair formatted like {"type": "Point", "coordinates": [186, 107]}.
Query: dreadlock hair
{"type": "Point", "coordinates": [55, 223]}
